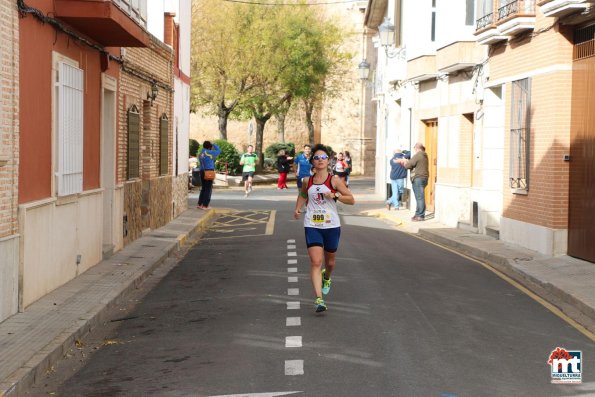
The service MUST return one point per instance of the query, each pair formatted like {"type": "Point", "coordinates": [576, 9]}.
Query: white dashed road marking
{"type": "Point", "coordinates": [293, 321]}
{"type": "Point", "coordinates": [293, 305]}
{"type": "Point", "coordinates": [292, 279]}
{"type": "Point", "coordinates": [291, 241]}
{"type": "Point", "coordinates": [292, 254]}
{"type": "Point", "coordinates": [292, 270]}
{"type": "Point", "coordinates": [291, 247]}
{"type": "Point", "coordinates": [292, 261]}
{"type": "Point", "coordinates": [293, 291]}
{"type": "Point", "coordinates": [293, 341]}
{"type": "Point", "coordinates": [294, 367]}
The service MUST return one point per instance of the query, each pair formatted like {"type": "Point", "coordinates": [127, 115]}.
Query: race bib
{"type": "Point", "coordinates": [321, 217]}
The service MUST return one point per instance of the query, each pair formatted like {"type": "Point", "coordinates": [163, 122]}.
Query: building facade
{"type": "Point", "coordinates": [9, 160]}
{"type": "Point", "coordinates": [541, 69]}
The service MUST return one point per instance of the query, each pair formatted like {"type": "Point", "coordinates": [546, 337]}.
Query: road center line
{"type": "Point", "coordinates": [292, 279]}
{"type": "Point", "coordinates": [291, 241]}
{"type": "Point", "coordinates": [294, 367]}
{"type": "Point", "coordinates": [292, 261]}
{"type": "Point", "coordinates": [293, 341]}
{"type": "Point", "coordinates": [293, 291]}
{"type": "Point", "coordinates": [291, 247]}
{"type": "Point", "coordinates": [292, 270]}
{"type": "Point", "coordinates": [292, 254]}
{"type": "Point", "coordinates": [293, 322]}
{"type": "Point", "coordinates": [293, 305]}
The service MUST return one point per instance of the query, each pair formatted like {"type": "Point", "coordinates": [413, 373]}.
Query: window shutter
{"type": "Point", "coordinates": [70, 130]}
{"type": "Point", "coordinates": [163, 144]}
{"type": "Point", "coordinates": [133, 142]}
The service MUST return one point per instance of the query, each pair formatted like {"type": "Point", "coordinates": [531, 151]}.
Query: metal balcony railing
{"type": "Point", "coordinates": [484, 21]}
{"type": "Point", "coordinates": [516, 7]}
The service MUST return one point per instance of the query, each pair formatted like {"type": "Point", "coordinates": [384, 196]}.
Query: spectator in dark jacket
{"type": "Point", "coordinates": [420, 172]}
{"type": "Point", "coordinates": [398, 173]}
{"type": "Point", "coordinates": [283, 166]}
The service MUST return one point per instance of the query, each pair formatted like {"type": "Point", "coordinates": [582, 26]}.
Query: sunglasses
{"type": "Point", "coordinates": [321, 157]}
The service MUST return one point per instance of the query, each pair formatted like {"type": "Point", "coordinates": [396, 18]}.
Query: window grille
{"type": "Point", "coordinates": [520, 124]}
{"type": "Point", "coordinates": [133, 142]}
{"type": "Point", "coordinates": [70, 130]}
{"type": "Point", "coordinates": [163, 144]}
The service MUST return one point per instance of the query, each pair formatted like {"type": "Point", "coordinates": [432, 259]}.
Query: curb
{"type": "Point", "coordinates": [20, 381]}
{"type": "Point", "coordinates": [570, 305]}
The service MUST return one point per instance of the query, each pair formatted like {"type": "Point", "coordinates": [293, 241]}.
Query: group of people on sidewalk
{"type": "Point", "coordinates": [419, 166]}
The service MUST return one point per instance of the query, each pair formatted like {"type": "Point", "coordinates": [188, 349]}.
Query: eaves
{"type": "Point", "coordinates": [375, 12]}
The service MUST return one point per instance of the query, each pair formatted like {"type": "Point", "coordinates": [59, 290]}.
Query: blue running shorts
{"type": "Point", "coordinates": [325, 238]}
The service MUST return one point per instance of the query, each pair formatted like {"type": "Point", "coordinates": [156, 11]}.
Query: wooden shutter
{"type": "Point", "coordinates": [133, 142]}
{"type": "Point", "coordinates": [70, 130]}
{"type": "Point", "coordinates": [163, 144]}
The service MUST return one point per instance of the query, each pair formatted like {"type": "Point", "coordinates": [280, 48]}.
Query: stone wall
{"type": "Point", "coordinates": [180, 194]}
{"type": "Point", "coordinates": [158, 192]}
{"type": "Point", "coordinates": [133, 216]}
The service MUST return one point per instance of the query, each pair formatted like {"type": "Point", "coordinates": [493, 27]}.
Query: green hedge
{"type": "Point", "coordinates": [230, 155]}
{"type": "Point", "coordinates": [271, 151]}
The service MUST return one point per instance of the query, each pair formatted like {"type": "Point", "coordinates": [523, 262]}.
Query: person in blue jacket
{"type": "Point", "coordinates": [206, 158]}
{"type": "Point", "coordinates": [398, 173]}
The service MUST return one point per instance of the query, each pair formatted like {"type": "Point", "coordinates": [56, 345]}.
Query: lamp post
{"type": "Point", "coordinates": [363, 70]}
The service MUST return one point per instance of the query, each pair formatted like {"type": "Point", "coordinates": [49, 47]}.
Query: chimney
{"type": "Point", "coordinates": [168, 28]}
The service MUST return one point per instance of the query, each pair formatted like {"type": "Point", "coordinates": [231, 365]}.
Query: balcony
{"type": "Point", "coordinates": [458, 56]}
{"type": "Point", "coordinates": [515, 17]}
{"type": "Point", "coordinates": [486, 30]}
{"type": "Point", "coordinates": [422, 68]}
{"type": "Point", "coordinates": [561, 8]}
{"type": "Point", "coordinates": [117, 23]}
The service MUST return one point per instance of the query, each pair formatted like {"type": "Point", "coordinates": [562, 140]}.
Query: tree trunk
{"type": "Point", "coordinates": [260, 123]}
{"type": "Point", "coordinates": [309, 111]}
{"type": "Point", "coordinates": [281, 127]}
{"type": "Point", "coordinates": [223, 124]}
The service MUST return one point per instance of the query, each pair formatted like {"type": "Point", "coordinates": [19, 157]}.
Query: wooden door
{"type": "Point", "coordinates": [581, 199]}
{"type": "Point", "coordinates": [431, 144]}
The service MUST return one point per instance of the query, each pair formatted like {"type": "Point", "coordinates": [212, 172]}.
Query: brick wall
{"type": "Point", "coordinates": [9, 122]}
{"type": "Point", "coordinates": [148, 200]}
{"type": "Point", "coordinates": [547, 59]}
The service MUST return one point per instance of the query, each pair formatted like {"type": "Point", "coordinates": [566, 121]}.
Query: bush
{"type": "Point", "coordinates": [193, 148]}
{"type": "Point", "coordinates": [269, 164]}
{"type": "Point", "coordinates": [271, 151]}
{"type": "Point", "coordinates": [230, 155]}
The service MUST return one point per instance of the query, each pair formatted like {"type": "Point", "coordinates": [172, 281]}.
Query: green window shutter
{"type": "Point", "coordinates": [133, 142]}
{"type": "Point", "coordinates": [163, 144]}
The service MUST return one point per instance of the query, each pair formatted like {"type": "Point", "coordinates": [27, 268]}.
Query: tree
{"type": "Point", "coordinates": [220, 63]}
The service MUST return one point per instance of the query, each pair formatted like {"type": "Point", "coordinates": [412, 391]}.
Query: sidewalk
{"type": "Point", "coordinates": [32, 341]}
{"type": "Point", "coordinates": [563, 281]}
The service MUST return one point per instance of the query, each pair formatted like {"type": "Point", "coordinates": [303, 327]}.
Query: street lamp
{"type": "Point", "coordinates": [386, 31]}
{"type": "Point", "coordinates": [363, 70]}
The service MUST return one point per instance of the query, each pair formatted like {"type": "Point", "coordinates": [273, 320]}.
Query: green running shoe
{"type": "Point", "coordinates": [326, 283]}
{"type": "Point", "coordinates": [320, 305]}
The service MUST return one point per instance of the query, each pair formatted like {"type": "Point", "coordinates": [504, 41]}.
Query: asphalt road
{"type": "Point", "coordinates": [405, 318]}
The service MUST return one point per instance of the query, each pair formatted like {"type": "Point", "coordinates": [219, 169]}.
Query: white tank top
{"type": "Point", "coordinates": [320, 211]}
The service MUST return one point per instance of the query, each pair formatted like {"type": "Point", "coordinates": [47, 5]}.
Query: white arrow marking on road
{"type": "Point", "coordinates": [274, 394]}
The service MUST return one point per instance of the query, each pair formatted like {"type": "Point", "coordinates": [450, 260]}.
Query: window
{"type": "Point", "coordinates": [520, 124]}
{"type": "Point", "coordinates": [433, 33]}
{"type": "Point", "coordinates": [69, 150]}
{"type": "Point", "coordinates": [133, 142]}
{"type": "Point", "coordinates": [163, 141]}
{"type": "Point", "coordinates": [470, 13]}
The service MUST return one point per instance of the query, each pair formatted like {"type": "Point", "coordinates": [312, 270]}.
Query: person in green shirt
{"type": "Point", "coordinates": [248, 161]}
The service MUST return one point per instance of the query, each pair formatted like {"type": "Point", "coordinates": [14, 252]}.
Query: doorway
{"type": "Point", "coordinates": [108, 161]}
{"type": "Point", "coordinates": [431, 144]}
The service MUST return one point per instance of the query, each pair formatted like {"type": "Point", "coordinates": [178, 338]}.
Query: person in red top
{"type": "Point", "coordinates": [341, 167]}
